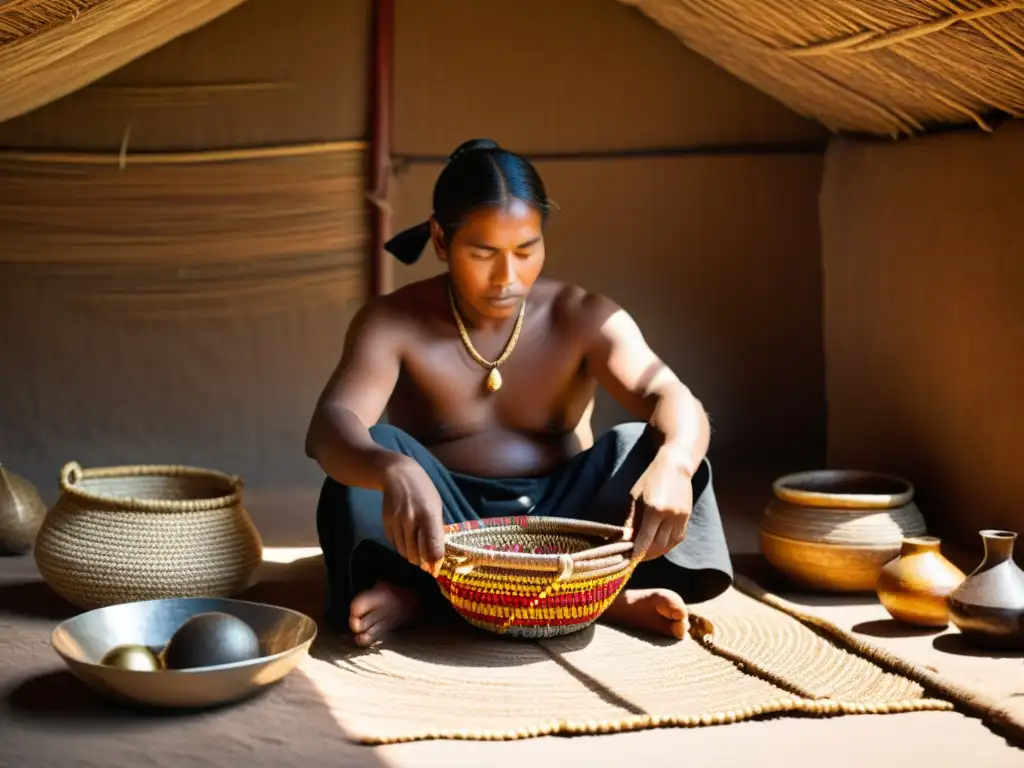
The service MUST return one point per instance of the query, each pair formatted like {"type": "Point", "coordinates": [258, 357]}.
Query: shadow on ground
{"type": "Point", "coordinates": [34, 599]}
{"type": "Point", "coordinates": [893, 628]}
{"type": "Point", "coordinates": [955, 644]}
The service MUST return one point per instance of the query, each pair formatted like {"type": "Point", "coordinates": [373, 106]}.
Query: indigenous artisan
{"type": "Point", "coordinates": [488, 375]}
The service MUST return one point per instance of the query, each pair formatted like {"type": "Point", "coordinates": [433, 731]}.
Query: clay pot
{"type": "Point", "coordinates": [834, 530]}
{"type": "Point", "coordinates": [988, 608]}
{"type": "Point", "coordinates": [914, 587]}
{"type": "Point", "coordinates": [21, 513]}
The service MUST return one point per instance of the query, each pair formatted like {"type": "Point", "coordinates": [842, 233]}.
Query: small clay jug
{"type": "Point", "coordinates": [21, 513]}
{"type": "Point", "coordinates": [915, 586]}
{"type": "Point", "coordinates": [988, 608]}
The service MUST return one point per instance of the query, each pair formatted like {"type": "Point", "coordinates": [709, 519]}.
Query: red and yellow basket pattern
{"type": "Point", "coordinates": [534, 577]}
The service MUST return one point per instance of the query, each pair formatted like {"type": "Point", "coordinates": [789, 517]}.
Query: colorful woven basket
{"type": "Point", "coordinates": [534, 577]}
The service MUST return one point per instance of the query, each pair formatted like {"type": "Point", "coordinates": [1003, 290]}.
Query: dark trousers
{"type": "Point", "coordinates": [593, 485]}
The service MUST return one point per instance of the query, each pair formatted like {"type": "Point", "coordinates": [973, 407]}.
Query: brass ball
{"type": "Point", "coordinates": [138, 658]}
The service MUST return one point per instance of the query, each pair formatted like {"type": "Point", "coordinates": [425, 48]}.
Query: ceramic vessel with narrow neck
{"type": "Point", "coordinates": [21, 513]}
{"type": "Point", "coordinates": [988, 608]}
{"type": "Point", "coordinates": [914, 587]}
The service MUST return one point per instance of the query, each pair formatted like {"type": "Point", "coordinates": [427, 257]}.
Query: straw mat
{"type": "Point", "coordinates": [750, 654]}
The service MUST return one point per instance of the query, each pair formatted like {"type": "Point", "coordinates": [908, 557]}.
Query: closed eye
{"type": "Point", "coordinates": [482, 250]}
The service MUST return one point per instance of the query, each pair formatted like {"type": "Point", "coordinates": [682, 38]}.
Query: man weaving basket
{"type": "Point", "coordinates": [488, 376]}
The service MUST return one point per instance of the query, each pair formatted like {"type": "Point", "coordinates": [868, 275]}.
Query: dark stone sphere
{"type": "Point", "coordinates": [209, 639]}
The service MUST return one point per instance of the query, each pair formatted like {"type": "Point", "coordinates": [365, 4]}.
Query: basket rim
{"type": "Point", "coordinates": [72, 474]}
{"type": "Point", "coordinates": [788, 489]}
{"type": "Point", "coordinates": [620, 542]}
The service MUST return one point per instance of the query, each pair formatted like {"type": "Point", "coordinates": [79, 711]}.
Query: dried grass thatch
{"type": "Point", "coordinates": [888, 67]}
{"type": "Point", "coordinates": [21, 18]}
{"type": "Point", "coordinates": [50, 48]}
{"type": "Point", "coordinates": [188, 234]}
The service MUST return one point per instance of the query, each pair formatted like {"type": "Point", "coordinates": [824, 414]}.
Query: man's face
{"type": "Point", "coordinates": [495, 258]}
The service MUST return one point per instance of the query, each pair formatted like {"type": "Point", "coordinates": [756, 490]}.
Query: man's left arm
{"type": "Point", "coordinates": [618, 356]}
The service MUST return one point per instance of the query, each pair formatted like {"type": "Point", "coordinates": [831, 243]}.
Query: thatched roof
{"type": "Point", "coordinates": [886, 67]}
{"type": "Point", "coordinates": [50, 48]}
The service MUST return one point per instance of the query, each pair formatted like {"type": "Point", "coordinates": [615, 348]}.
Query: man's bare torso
{"type": "Point", "coordinates": [540, 416]}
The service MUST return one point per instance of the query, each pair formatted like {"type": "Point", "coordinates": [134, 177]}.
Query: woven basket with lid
{"type": "Point", "coordinates": [122, 534]}
{"type": "Point", "coordinates": [535, 577]}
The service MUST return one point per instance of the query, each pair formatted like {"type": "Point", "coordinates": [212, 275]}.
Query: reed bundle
{"type": "Point", "coordinates": [886, 67]}
{"type": "Point", "coordinates": [50, 48]}
{"type": "Point", "coordinates": [188, 234]}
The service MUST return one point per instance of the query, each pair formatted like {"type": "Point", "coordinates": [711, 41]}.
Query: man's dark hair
{"type": "Point", "coordinates": [479, 174]}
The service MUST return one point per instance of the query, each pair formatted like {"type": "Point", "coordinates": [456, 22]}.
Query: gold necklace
{"type": "Point", "coordinates": [493, 378]}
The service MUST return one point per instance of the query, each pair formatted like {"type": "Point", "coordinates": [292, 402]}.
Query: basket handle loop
{"type": "Point", "coordinates": [566, 565]}
{"type": "Point", "coordinates": [630, 523]}
{"type": "Point", "coordinates": [461, 565]}
{"type": "Point", "coordinates": [630, 531]}
{"type": "Point", "coordinates": [69, 475]}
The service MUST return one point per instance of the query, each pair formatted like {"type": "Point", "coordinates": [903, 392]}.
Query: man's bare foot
{"type": "Point", "coordinates": [654, 610]}
{"type": "Point", "coordinates": [381, 609]}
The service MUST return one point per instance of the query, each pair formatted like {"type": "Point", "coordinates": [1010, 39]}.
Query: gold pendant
{"type": "Point", "coordinates": [493, 380]}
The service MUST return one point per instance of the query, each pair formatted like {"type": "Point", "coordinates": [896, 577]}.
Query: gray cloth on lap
{"type": "Point", "coordinates": [593, 485]}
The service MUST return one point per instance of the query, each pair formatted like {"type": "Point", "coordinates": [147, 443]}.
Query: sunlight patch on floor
{"type": "Point", "coordinates": [285, 555]}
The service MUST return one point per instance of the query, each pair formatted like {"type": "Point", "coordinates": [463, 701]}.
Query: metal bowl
{"type": "Point", "coordinates": [285, 637]}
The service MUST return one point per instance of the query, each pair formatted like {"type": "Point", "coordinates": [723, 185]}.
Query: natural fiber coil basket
{"type": "Point", "coordinates": [122, 534]}
{"type": "Point", "coordinates": [835, 529]}
{"type": "Point", "coordinates": [534, 577]}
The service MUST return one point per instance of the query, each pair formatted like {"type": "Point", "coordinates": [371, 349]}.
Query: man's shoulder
{"type": "Point", "coordinates": [397, 314]}
{"type": "Point", "coordinates": [405, 305]}
{"type": "Point", "coordinates": [577, 305]}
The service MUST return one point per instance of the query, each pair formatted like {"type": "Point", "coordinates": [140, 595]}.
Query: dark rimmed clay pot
{"type": "Point", "coordinates": [988, 608]}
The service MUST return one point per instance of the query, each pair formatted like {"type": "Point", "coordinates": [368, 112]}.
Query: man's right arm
{"type": "Point", "coordinates": [355, 398]}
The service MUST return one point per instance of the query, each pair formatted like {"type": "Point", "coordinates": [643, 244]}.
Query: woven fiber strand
{"type": "Point", "coordinates": [886, 67]}
{"type": "Point", "coordinates": [190, 234]}
{"type": "Point", "coordinates": [750, 654]}
{"type": "Point", "coordinates": [843, 526]}
{"type": "Point", "coordinates": [123, 534]}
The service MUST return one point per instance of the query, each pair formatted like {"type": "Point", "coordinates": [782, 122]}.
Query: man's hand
{"type": "Point", "coordinates": [413, 515]}
{"type": "Point", "coordinates": [663, 499]}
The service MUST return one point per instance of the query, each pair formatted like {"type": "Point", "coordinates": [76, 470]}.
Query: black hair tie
{"type": "Point", "coordinates": [407, 246]}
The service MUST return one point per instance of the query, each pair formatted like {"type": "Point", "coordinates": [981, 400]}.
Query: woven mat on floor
{"type": "Point", "coordinates": [750, 654]}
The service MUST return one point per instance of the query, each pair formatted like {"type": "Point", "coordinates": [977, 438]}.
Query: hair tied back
{"type": "Point", "coordinates": [408, 245]}
{"type": "Point", "coordinates": [479, 173]}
